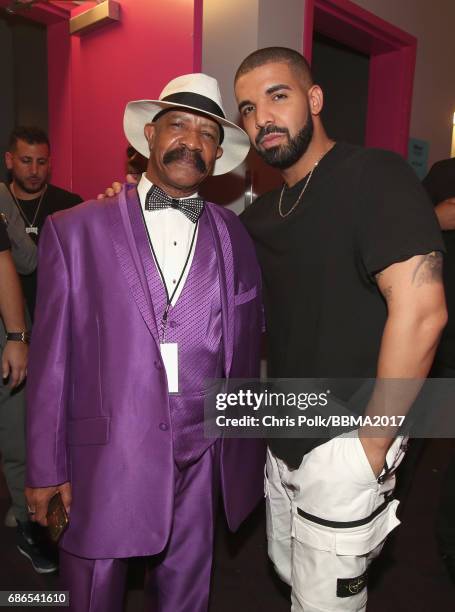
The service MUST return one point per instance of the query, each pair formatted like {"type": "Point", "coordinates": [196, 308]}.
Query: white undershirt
{"type": "Point", "coordinates": [171, 233]}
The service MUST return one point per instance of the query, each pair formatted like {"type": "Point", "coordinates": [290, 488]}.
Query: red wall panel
{"type": "Point", "coordinates": [92, 77]}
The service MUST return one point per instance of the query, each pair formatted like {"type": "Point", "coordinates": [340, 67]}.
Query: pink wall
{"type": "Point", "coordinates": [92, 77]}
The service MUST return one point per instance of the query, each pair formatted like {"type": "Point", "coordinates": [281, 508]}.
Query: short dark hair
{"type": "Point", "coordinates": [30, 134]}
{"type": "Point", "coordinates": [296, 62]}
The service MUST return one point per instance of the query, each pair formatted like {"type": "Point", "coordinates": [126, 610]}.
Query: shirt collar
{"type": "Point", "coordinates": [144, 186]}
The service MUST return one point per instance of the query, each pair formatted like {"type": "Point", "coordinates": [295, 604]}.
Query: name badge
{"type": "Point", "coordinates": [170, 355]}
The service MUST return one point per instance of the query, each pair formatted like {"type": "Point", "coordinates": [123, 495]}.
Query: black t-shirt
{"type": "Point", "coordinates": [363, 210]}
{"type": "Point", "coordinates": [440, 185]}
{"type": "Point", "coordinates": [54, 199]}
{"type": "Point", "coordinates": [4, 240]}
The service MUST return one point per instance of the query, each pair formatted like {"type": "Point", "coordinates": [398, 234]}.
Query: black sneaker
{"type": "Point", "coordinates": [28, 544]}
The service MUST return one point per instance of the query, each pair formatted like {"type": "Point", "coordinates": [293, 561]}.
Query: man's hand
{"type": "Point", "coordinates": [445, 211]}
{"type": "Point", "coordinates": [376, 451]}
{"type": "Point", "coordinates": [14, 362]}
{"type": "Point", "coordinates": [38, 500]}
{"type": "Point", "coordinates": [116, 188]}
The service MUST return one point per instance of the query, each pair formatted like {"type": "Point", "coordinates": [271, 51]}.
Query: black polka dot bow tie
{"type": "Point", "coordinates": [156, 199]}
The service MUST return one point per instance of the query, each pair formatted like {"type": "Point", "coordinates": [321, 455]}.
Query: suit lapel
{"type": "Point", "coordinates": [131, 246]}
{"type": "Point", "coordinates": [223, 247]}
{"type": "Point", "coordinates": [125, 229]}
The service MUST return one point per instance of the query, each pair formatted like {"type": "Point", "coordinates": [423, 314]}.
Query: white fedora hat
{"type": "Point", "coordinates": [198, 92]}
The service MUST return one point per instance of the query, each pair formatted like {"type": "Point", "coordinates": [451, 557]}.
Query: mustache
{"type": "Point", "coordinates": [182, 153]}
{"type": "Point", "coordinates": [269, 129]}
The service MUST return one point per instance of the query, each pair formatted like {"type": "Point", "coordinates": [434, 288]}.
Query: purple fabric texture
{"type": "Point", "coordinates": [194, 323]}
{"type": "Point", "coordinates": [94, 585]}
{"type": "Point", "coordinates": [98, 407]}
{"type": "Point", "coordinates": [179, 578]}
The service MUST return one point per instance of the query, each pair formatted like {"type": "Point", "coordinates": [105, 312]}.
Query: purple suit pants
{"type": "Point", "coordinates": [179, 577]}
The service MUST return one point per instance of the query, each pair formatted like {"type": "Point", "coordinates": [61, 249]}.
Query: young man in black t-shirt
{"type": "Point", "coordinates": [28, 163]}
{"type": "Point", "coordinates": [350, 251]}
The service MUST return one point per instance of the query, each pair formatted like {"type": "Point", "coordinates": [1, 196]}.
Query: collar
{"type": "Point", "coordinates": [144, 186]}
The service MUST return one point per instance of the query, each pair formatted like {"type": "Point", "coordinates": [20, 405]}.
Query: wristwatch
{"type": "Point", "coordinates": [23, 336]}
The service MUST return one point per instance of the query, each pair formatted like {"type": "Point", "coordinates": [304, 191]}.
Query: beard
{"type": "Point", "coordinates": [26, 188]}
{"type": "Point", "coordinates": [193, 157]}
{"type": "Point", "coordinates": [285, 156]}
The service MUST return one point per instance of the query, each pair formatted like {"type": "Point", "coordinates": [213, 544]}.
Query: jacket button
{"type": "Point", "coordinates": [164, 426]}
{"type": "Point", "coordinates": [157, 364]}
{"type": "Point", "coordinates": [173, 324]}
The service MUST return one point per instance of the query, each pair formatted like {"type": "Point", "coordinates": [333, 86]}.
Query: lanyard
{"type": "Point", "coordinates": [169, 298]}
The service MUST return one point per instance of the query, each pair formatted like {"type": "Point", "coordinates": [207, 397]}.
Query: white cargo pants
{"type": "Point", "coordinates": [327, 520]}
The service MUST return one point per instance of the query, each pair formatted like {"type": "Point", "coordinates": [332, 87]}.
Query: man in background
{"type": "Point", "coordinates": [28, 161]}
{"type": "Point", "coordinates": [440, 185]}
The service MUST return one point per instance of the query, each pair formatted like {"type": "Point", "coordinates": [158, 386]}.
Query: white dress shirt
{"type": "Point", "coordinates": [171, 233]}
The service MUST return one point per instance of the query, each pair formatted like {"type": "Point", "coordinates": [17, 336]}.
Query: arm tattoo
{"type": "Point", "coordinates": [428, 269]}
{"type": "Point", "coordinates": [386, 291]}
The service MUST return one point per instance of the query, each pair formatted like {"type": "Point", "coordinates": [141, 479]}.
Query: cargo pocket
{"type": "Point", "coordinates": [368, 537]}
{"type": "Point", "coordinates": [331, 558]}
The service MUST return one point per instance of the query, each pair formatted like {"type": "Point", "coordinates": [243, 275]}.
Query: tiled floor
{"type": "Point", "coordinates": [409, 577]}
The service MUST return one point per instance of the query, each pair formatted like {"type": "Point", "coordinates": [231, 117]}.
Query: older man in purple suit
{"type": "Point", "coordinates": [142, 299]}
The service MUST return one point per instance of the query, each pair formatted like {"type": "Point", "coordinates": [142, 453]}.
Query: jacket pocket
{"type": "Point", "coordinates": [89, 432]}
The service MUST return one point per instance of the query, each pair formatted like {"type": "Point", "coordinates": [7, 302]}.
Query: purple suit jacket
{"type": "Point", "coordinates": [98, 410]}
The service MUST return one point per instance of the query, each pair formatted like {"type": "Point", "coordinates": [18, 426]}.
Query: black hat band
{"type": "Point", "coordinates": [188, 98]}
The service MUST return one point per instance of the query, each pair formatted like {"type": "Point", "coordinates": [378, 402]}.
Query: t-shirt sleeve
{"type": "Point", "coordinates": [396, 220]}
{"type": "Point", "coordinates": [4, 240]}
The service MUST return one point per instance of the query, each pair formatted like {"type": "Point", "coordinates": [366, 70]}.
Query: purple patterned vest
{"type": "Point", "coordinates": [194, 322]}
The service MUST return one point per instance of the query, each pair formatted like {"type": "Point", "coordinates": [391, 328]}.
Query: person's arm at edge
{"type": "Point", "coordinates": [14, 356]}
{"type": "Point", "coordinates": [445, 212]}
{"type": "Point", "coordinates": [444, 206]}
